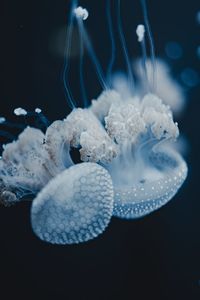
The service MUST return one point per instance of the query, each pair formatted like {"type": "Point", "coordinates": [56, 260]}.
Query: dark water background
{"type": "Point", "coordinates": [157, 257]}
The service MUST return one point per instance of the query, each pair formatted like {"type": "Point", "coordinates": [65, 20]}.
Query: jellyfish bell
{"type": "Point", "coordinates": [157, 184]}
{"type": "Point", "coordinates": [146, 172]}
{"type": "Point", "coordinates": [148, 188]}
{"type": "Point", "coordinates": [75, 206]}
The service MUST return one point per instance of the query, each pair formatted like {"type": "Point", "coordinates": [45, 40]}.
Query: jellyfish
{"type": "Point", "coordinates": [73, 216]}
{"type": "Point", "coordinates": [128, 165]}
{"type": "Point", "coordinates": [167, 88]}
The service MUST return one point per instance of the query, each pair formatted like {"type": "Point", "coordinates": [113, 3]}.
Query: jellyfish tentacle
{"type": "Point", "coordinates": [129, 167]}
{"type": "Point", "coordinates": [90, 49]}
{"type": "Point", "coordinates": [43, 119]}
{"type": "Point", "coordinates": [152, 48]}
{"type": "Point", "coordinates": [65, 212]}
{"type": "Point", "coordinates": [113, 48]}
{"type": "Point", "coordinates": [140, 31]}
{"type": "Point", "coordinates": [68, 92]}
{"type": "Point", "coordinates": [82, 85]}
{"type": "Point", "coordinates": [7, 135]}
{"type": "Point", "coordinates": [22, 165]}
{"type": "Point", "coordinates": [57, 144]}
{"type": "Point", "coordinates": [14, 125]}
{"type": "Point", "coordinates": [89, 135]}
{"type": "Point", "coordinates": [142, 131]}
{"type": "Point", "coordinates": [166, 87]}
{"type": "Point", "coordinates": [101, 106]}
{"type": "Point", "coordinates": [124, 47]}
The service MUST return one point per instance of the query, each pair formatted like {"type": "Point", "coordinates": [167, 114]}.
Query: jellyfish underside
{"type": "Point", "coordinates": [128, 168]}
{"type": "Point", "coordinates": [140, 190]}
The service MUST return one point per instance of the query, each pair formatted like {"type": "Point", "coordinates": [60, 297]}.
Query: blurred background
{"type": "Point", "coordinates": [156, 257]}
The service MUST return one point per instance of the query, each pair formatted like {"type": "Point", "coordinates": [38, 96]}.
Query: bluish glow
{"type": "Point", "coordinates": [198, 52]}
{"type": "Point", "coordinates": [173, 50]}
{"type": "Point", "coordinates": [198, 17]}
{"type": "Point", "coordinates": [190, 77]}
{"type": "Point", "coordinates": [113, 48]}
{"type": "Point", "coordinates": [126, 137]}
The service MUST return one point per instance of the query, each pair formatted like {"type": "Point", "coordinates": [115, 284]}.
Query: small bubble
{"type": "Point", "coordinates": [2, 120]}
{"type": "Point", "coordinates": [173, 50]}
{"type": "Point", "coordinates": [190, 77]}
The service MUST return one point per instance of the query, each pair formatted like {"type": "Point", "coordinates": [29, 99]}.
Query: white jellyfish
{"type": "Point", "coordinates": [146, 172]}
{"type": "Point", "coordinates": [75, 206]}
{"type": "Point", "coordinates": [169, 90]}
{"type": "Point", "coordinates": [128, 165]}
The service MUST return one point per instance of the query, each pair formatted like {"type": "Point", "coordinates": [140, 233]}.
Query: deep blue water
{"type": "Point", "coordinates": [156, 257]}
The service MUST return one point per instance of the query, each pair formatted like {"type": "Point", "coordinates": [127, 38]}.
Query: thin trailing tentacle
{"type": "Point", "coordinates": [91, 52]}
{"type": "Point", "coordinates": [110, 27]}
{"type": "Point", "coordinates": [13, 125]}
{"type": "Point", "coordinates": [68, 92]}
{"type": "Point", "coordinates": [7, 135]}
{"type": "Point", "coordinates": [83, 90]}
{"type": "Point", "coordinates": [144, 60]}
{"type": "Point", "coordinates": [41, 117]}
{"type": "Point", "coordinates": [152, 48]}
{"type": "Point", "coordinates": [140, 31]}
{"type": "Point", "coordinates": [124, 47]}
